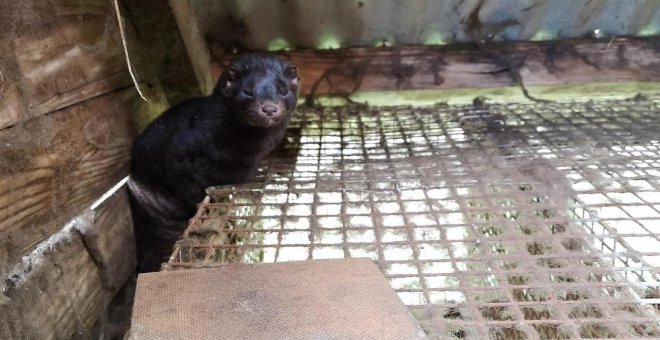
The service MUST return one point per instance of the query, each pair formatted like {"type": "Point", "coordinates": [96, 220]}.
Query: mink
{"type": "Point", "coordinates": [206, 141]}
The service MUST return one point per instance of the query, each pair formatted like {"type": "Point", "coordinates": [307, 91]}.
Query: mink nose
{"type": "Point", "coordinates": [269, 109]}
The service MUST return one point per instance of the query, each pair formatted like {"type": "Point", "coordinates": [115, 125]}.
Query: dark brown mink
{"type": "Point", "coordinates": [215, 140]}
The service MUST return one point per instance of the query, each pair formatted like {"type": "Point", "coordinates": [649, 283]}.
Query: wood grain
{"type": "Point", "coordinates": [110, 240]}
{"type": "Point", "coordinates": [60, 293]}
{"type": "Point", "coordinates": [346, 71]}
{"type": "Point", "coordinates": [53, 167]}
{"type": "Point", "coordinates": [53, 164]}
{"type": "Point", "coordinates": [198, 51]}
{"type": "Point", "coordinates": [55, 54]}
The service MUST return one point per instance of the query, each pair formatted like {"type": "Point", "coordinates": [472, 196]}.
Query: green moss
{"type": "Point", "coordinates": [434, 38]}
{"type": "Point", "coordinates": [328, 41]}
{"type": "Point", "coordinates": [279, 44]}
{"type": "Point", "coordinates": [146, 112]}
{"type": "Point", "coordinates": [653, 28]}
{"type": "Point", "coordinates": [513, 94]}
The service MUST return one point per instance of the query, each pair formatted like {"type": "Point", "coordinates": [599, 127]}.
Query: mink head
{"type": "Point", "coordinates": [259, 90]}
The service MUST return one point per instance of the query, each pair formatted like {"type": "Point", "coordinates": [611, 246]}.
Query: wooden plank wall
{"type": "Point", "coordinates": [44, 48]}
{"type": "Point", "coordinates": [68, 115]}
{"type": "Point", "coordinates": [558, 63]}
{"type": "Point", "coordinates": [69, 280]}
{"type": "Point", "coordinates": [58, 164]}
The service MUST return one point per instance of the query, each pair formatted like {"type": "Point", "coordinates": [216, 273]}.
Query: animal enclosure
{"type": "Point", "coordinates": [498, 160]}
{"type": "Point", "coordinates": [504, 221]}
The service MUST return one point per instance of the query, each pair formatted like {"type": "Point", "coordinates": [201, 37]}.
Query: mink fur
{"type": "Point", "coordinates": [207, 141]}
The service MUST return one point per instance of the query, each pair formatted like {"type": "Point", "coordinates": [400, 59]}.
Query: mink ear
{"type": "Point", "coordinates": [291, 73]}
{"type": "Point", "coordinates": [232, 72]}
{"type": "Point", "coordinates": [229, 77]}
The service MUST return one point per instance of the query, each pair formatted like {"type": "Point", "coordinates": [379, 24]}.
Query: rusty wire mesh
{"type": "Point", "coordinates": [502, 221]}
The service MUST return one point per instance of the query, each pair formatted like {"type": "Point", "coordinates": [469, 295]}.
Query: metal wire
{"type": "Point", "coordinates": [501, 221]}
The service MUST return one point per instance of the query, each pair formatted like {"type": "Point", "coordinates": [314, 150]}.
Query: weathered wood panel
{"type": "Point", "coordinates": [68, 115]}
{"type": "Point", "coordinates": [55, 54]}
{"type": "Point", "coordinates": [59, 290]}
{"type": "Point", "coordinates": [57, 298]}
{"type": "Point", "coordinates": [110, 241]}
{"type": "Point", "coordinates": [53, 167]}
{"type": "Point", "coordinates": [554, 63]}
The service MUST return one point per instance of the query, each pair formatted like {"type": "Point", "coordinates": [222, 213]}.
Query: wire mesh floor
{"type": "Point", "coordinates": [521, 221]}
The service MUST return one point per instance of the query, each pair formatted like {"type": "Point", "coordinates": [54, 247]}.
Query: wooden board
{"type": "Point", "coordinates": [59, 297]}
{"type": "Point", "coordinates": [198, 51]}
{"type": "Point", "coordinates": [55, 54]}
{"type": "Point", "coordinates": [110, 240]}
{"type": "Point", "coordinates": [60, 291]}
{"type": "Point", "coordinates": [55, 166]}
{"type": "Point", "coordinates": [68, 115]}
{"type": "Point", "coordinates": [322, 299]}
{"type": "Point", "coordinates": [155, 24]}
{"type": "Point", "coordinates": [426, 67]}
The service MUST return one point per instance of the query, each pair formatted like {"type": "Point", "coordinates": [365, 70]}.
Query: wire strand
{"type": "Point", "coordinates": [128, 59]}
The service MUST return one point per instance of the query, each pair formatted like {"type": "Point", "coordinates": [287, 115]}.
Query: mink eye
{"type": "Point", "coordinates": [282, 89]}
{"type": "Point", "coordinates": [248, 93]}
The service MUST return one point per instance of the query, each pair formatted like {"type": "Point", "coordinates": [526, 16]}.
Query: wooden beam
{"type": "Point", "coordinates": [110, 241]}
{"type": "Point", "coordinates": [55, 166]}
{"type": "Point", "coordinates": [59, 291]}
{"type": "Point", "coordinates": [198, 51]}
{"type": "Point", "coordinates": [155, 24]}
{"type": "Point", "coordinates": [55, 54]}
{"type": "Point", "coordinates": [345, 71]}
